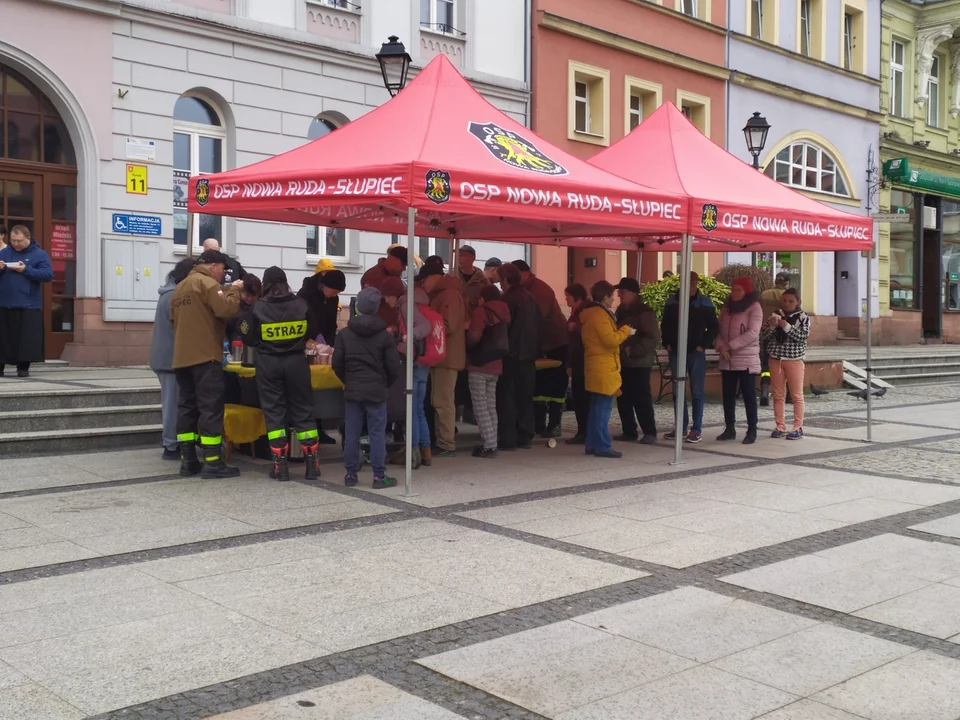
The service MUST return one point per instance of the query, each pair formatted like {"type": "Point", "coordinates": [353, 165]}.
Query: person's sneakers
{"type": "Point", "coordinates": [751, 437]}
{"type": "Point", "coordinates": [576, 440]}
{"type": "Point", "coordinates": [648, 440]}
{"type": "Point", "coordinates": [778, 434]}
{"type": "Point", "coordinates": [626, 437]}
{"type": "Point", "coordinates": [382, 483]}
{"type": "Point", "coordinates": [608, 454]}
{"type": "Point", "coordinates": [795, 435]}
{"type": "Point", "coordinates": [445, 453]}
{"type": "Point", "coordinates": [693, 437]}
{"type": "Point", "coordinates": [552, 432]}
{"type": "Point", "coordinates": [350, 480]}
{"type": "Point", "coordinates": [728, 434]}
{"type": "Point", "coordinates": [482, 452]}
{"type": "Point", "coordinates": [670, 435]}
{"type": "Point", "coordinates": [171, 454]}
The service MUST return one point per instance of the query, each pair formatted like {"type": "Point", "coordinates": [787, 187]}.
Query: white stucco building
{"type": "Point", "coordinates": [111, 87]}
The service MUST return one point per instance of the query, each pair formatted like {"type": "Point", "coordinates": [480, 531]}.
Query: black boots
{"type": "Point", "coordinates": [729, 433]}
{"type": "Point", "coordinates": [213, 465]}
{"type": "Point", "coordinates": [311, 459]}
{"type": "Point", "coordinates": [540, 418]}
{"type": "Point", "coordinates": [764, 391]}
{"type": "Point", "coordinates": [281, 468]}
{"type": "Point", "coordinates": [555, 421]}
{"type": "Point", "coordinates": [189, 462]}
{"type": "Point", "coordinates": [751, 437]}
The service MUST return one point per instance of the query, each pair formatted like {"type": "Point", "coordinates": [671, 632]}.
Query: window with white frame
{"type": "Point", "coordinates": [696, 108]}
{"type": "Point", "coordinates": [588, 104]}
{"type": "Point", "coordinates": [642, 98]}
{"type": "Point", "coordinates": [897, 74]}
{"type": "Point", "coordinates": [199, 146]}
{"type": "Point", "coordinates": [439, 15]}
{"type": "Point", "coordinates": [427, 246]}
{"type": "Point", "coordinates": [848, 41]}
{"type": "Point", "coordinates": [756, 19]}
{"type": "Point", "coordinates": [808, 167]}
{"type": "Point", "coordinates": [331, 242]}
{"type": "Point", "coordinates": [805, 36]}
{"type": "Point", "coordinates": [689, 7]}
{"type": "Point", "coordinates": [933, 94]}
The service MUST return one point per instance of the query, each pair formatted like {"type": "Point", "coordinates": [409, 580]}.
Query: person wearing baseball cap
{"type": "Point", "coordinates": [637, 356]}
{"type": "Point", "coordinates": [281, 327]}
{"type": "Point", "coordinates": [199, 310]}
{"type": "Point", "coordinates": [491, 269]}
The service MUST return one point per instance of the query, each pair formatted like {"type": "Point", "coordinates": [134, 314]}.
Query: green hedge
{"type": "Point", "coordinates": [656, 294]}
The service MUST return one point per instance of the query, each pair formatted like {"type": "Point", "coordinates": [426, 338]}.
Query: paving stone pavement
{"type": "Point", "coordinates": [817, 580]}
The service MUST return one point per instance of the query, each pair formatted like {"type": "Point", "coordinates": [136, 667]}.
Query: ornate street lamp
{"type": "Point", "coordinates": [394, 64]}
{"type": "Point", "coordinates": [755, 133]}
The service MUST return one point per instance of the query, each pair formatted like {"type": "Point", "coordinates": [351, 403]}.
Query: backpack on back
{"type": "Point", "coordinates": [433, 349]}
{"type": "Point", "coordinates": [494, 343]}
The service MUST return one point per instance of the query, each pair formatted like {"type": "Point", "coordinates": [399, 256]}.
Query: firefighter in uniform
{"type": "Point", "coordinates": [281, 326]}
{"type": "Point", "coordinates": [198, 311]}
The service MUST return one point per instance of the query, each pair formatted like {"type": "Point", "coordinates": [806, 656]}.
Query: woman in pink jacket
{"type": "Point", "coordinates": [739, 347]}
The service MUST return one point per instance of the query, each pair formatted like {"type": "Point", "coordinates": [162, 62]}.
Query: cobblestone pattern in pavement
{"type": "Point", "coordinates": [394, 660]}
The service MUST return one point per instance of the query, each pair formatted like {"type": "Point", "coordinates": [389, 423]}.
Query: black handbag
{"type": "Point", "coordinates": [494, 344]}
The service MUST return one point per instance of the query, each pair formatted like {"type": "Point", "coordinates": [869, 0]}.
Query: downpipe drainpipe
{"type": "Point", "coordinates": [528, 79]}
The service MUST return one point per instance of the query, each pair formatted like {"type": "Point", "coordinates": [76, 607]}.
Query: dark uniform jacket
{"type": "Point", "coordinates": [326, 310]}
{"type": "Point", "coordinates": [234, 271]}
{"type": "Point", "coordinates": [525, 324]}
{"type": "Point", "coordinates": [366, 360]}
{"type": "Point", "coordinates": [279, 325]}
{"type": "Point", "coordinates": [199, 309]}
{"type": "Point", "coordinates": [639, 350]}
{"type": "Point", "coordinates": [704, 325]}
{"type": "Point", "coordinates": [553, 328]}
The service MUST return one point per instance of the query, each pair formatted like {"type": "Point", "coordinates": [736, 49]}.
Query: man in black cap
{"type": "Point", "coordinates": [491, 270]}
{"type": "Point", "coordinates": [235, 270]}
{"type": "Point", "coordinates": [637, 355]}
{"type": "Point", "coordinates": [199, 310]}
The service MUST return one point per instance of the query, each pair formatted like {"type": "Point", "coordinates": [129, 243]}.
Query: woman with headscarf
{"type": "Point", "coordinates": [24, 267]}
{"type": "Point", "coordinates": [738, 344]}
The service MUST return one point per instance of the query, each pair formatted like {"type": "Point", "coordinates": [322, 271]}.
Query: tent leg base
{"type": "Point", "coordinates": [406, 494]}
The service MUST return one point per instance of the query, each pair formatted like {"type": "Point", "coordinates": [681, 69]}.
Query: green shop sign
{"type": "Point", "coordinates": [899, 172]}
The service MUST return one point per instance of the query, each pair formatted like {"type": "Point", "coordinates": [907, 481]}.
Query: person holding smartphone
{"type": "Point", "coordinates": [24, 267]}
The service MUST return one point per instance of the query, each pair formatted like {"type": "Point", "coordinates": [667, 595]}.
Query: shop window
{"type": "Point", "coordinates": [642, 98]}
{"type": "Point", "coordinates": [808, 167]}
{"type": "Point", "coordinates": [897, 74]}
{"type": "Point", "coordinates": [951, 255]}
{"type": "Point", "coordinates": [903, 254]}
{"type": "Point", "coordinates": [199, 145]}
{"type": "Point", "coordinates": [588, 103]}
{"type": "Point", "coordinates": [331, 242]}
{"type": "Point", "coordinates": [763, 20]}
{"type": "Point", "coordinates": [853, 52]}
{"type": "Point", "coordinates": [696, 108]}
{"type": "Point", "coordinates": [427, 246]}
{"type": "Point", "coordinates": [810, 28]}
{"type": "Point", "coordinates": [31, 129]}
{"type": "Point", "coordinates": [782, 262]}
{"type": "Point", "coordinates": [933, 93]}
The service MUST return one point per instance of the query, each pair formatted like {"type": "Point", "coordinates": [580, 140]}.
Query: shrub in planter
{"type": "Point", "coordinates": [656, 294]}
{"type": "Point", "coordinates": [760, 276]}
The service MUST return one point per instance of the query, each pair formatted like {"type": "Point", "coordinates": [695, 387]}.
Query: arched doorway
{"type": "Point", "coordinates": [38, 189]}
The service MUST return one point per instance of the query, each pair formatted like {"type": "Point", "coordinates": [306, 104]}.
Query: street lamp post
{"type": "Point", "coordinates": [755, 133]}
{"type": "Point", "coordinates": [394, 64]}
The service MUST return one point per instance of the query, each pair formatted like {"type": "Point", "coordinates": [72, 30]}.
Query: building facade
{"type": "Point", "coordinates": [920, 152]}
{"type": "Point", "coordinates": [96, 147]}
{"type": "Point", "coordinates": [812, 69]}
{"type": "Point", "coordinates": [598, 69]}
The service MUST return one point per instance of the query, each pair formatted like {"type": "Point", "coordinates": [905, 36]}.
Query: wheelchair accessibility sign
{"type": "Point", "coordinates": [136, 225]}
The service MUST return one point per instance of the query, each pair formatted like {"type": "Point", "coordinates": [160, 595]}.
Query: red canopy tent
{"type": "Point", "coordinates": [732, 205]}
{"type": "Point", "coordinates": [439, 160]}
{"type": "Point", "coordinates": [468, 170]}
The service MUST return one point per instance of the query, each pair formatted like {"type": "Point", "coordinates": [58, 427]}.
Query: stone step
{"type": "Point", "coordinates": [33, 398]}
{"type": "Point", "coordinates": [923, 378]}
{"type": "Point", "coordinates": [914, 361]}
{"type": "Point", "coordinates": [79, 440]}
{"type": "Point", "coordinates": [917, 369]}
{"type": "Point", "coordinates": [57, 420]}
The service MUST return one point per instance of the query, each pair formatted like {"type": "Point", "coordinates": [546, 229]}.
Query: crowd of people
{"type": "Point", "coordinates": [491, 344]}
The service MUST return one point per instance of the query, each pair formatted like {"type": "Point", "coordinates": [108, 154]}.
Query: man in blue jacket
{"type": "Point", "coordinates": [24, 267]}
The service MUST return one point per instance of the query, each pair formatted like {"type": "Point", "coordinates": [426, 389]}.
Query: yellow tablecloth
{"type": "Point", "coordinates": [243, 425]}
{"type": "Point", "coordinates": [547, 364]}
{"type": "Point", "coordinates": [322, 377]}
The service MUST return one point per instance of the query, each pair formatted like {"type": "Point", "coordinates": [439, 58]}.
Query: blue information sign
{"type": "Point", "coordinates": [125, 224]}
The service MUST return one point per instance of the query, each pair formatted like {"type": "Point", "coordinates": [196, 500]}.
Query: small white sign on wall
{"type": "Point", "coordinates": [142, 150]}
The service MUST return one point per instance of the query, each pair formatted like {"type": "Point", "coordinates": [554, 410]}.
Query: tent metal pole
{"type": "Point", "coordinates": [869, 330]}
{"type": "Point", "coordinates": [639, 262]}
{"type": "Point", "coordinates": [190, 221]}
{"type": "Point", "coordinates": [408, 383]}
{"type": "Point", "coordinates": [680, 376]}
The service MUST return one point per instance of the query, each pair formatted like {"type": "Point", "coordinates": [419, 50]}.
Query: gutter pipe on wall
{"type": "Point", "coordinates": [528, 79]}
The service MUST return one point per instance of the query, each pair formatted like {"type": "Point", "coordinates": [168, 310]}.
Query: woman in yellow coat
{"type": "Point", "coordinates": [601, 353]}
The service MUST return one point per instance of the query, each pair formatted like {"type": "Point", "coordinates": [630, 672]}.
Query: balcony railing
{"type": "Point", "coordinates": [444, 28]}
